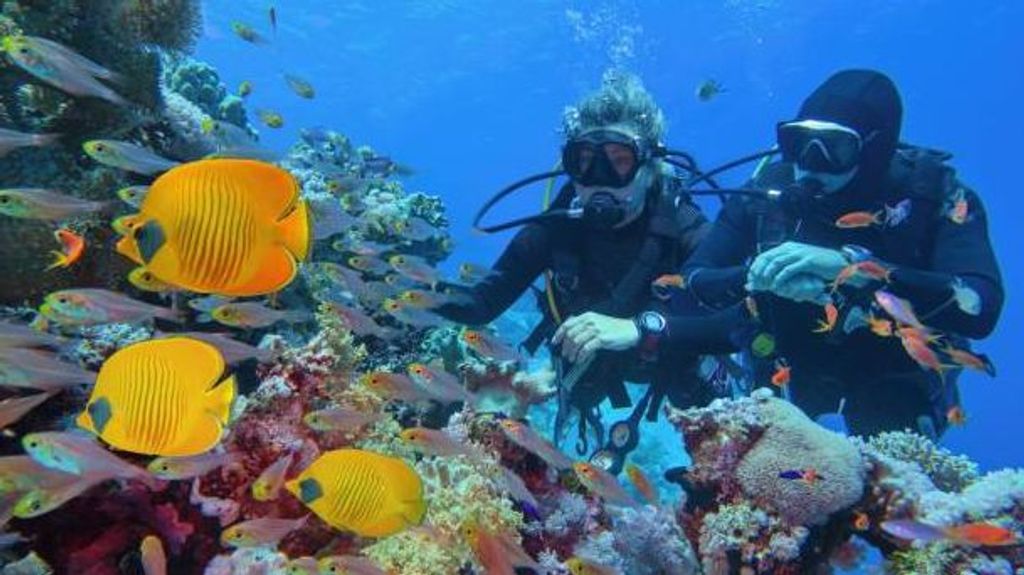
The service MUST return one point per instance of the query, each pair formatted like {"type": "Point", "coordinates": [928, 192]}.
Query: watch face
{"type": "Point", "coordinates": [652, 322]}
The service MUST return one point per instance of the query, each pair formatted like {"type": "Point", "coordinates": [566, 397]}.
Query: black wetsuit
{"type": "Point", "coordinates": [883, 387]}
{"type": "Point", "coordinates": [600, 259]}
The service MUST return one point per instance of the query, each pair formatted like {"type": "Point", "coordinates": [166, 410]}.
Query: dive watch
{"type": "Point", "coordinates": [652, 326]}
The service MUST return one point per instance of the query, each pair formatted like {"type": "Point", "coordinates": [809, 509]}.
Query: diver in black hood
{"type": "Point", "coordinates": [828, 281]}
{"type": "Point", "coordinates": [621, 221]}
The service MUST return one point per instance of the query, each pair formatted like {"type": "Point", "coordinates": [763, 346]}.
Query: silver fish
{"type": "Point", "coordinates": [41, 204]}
{"type": "Point", "coordinates": [11, 140]}
{"type": "Point", "coordinates": [14, 408]}
{"type": "Point", "coordinates": [60, 67]}
{"type": "Point", "coordinates": [127, 156]}
{"type": "Point", "coordinates": [16, 335]}
{"type": "Point", "coordinates": [33, 369]}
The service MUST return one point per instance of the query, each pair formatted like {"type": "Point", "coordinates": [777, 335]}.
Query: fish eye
{"type": "Point", "coordinates": [62, 300]}
{"type": "Point", "coordinates": [4, 199]}
{"type": "Point", "coordinates": [33, 444]}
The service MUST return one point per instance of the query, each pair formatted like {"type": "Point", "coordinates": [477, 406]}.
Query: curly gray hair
{"type": "Point", "coordinates": [622, 99]}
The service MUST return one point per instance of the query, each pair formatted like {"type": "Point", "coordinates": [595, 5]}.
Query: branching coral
{"type": "Point", "coordinates": [947, 471]}
{"type": "Point", "coordinates": [458, 490]}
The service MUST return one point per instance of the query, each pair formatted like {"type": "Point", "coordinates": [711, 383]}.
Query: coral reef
{"type": "Point", "coordinates": [200, 84]}
{"type": "Point", "coordinates": [947, 471]}
{"type": "Point", "coordinates": [126, 37]}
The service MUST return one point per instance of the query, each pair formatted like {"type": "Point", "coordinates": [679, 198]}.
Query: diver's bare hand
{"type": "Point", "coordinates": [581, 336]}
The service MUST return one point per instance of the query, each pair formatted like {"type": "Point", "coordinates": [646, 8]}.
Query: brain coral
{"type": "Point", "coordinates": [793, 441]}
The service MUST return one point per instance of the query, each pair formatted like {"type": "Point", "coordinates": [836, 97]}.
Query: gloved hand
{"type": "Point", "coordinates": [777, 266]}
{"type": "Point", "coordinates": [801, 288]}
{"type": "Point", "coordinates": [583, 335]}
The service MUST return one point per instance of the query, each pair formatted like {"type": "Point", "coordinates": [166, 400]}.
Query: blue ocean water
{"type": "Point", "coordinates": [470, 93]}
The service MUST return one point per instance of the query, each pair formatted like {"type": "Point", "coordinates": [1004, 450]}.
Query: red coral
{"type": "Point", "coordinates": [94, 532]}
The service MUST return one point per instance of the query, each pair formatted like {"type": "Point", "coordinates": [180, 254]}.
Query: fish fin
{"type": "Point", "coordinates": [296, 231]}
{"type": "Point", "coordinates": [99, 415]}
{"type": "Point", "coordinates": [85, 421]}
{"type": "Point", "coordinates": [823, 327]}
{"type": "Point", "coordinates": [277, 269]}
{"type": "Point", "coordinates": [59, 260]}
{"type": "Point", "coordinates": [129, 248]}
{"type": "Point", "coordinates": [220, 400]}
{"type": "Point", "coordinates": [149, 238]}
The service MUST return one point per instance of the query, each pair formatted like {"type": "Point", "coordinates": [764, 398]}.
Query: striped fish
{"type": "Point", "coordinates": [161, 397]}
{"type": "Point", "coordinates": [224, 226]}
{"type": "Point", "coordinates": [360, 491]}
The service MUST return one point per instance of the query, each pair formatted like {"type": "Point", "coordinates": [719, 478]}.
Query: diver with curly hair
{"type": "Point", "coordinates": [626, 220]}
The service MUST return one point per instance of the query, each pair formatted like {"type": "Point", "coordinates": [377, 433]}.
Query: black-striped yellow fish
{"type": "Point", "coordinates": [360, 491]}
{"type": "Point", "coordinates": [225, 226]}
{"type": "Point", "coordinates": [161, 397]}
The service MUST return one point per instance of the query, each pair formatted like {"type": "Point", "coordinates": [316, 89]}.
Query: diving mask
{"type": "Point", "coordinates": [604, 158]}
{"type": "Point", "coordinates": [823, 147]}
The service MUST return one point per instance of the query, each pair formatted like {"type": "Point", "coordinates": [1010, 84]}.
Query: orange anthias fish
{"type": "Point", "coordinates": [782, 374]}
{"type": "Point", "coordinates": [662, 286]}
{"type": "Point", "coordinates": [869, 268]}
{"type": "Point", "coordinates": [497, 553]}
{"type": "Point", "coordinates": [861, 219]}
{"type": "Point", "coordinates": [916, 346]}
{"type": "Point", "coordinates": [880, 327]}
{"type": "Point", "coordinates": [602, 484]}
{"type": "Point", "coordinates": [525, 437]}
{"type": "Point", "coordinates": [73, 246]}
{"type": "Point", "coordinates": [861, 521]}
{"type": "Point", "coordinates": [956, 417]}
{"type": "Point", "coordinates": [433, 442]}
{"type": "Point", "coordinates": [642, 484]}
{"type": "Point", "coordinates": [977, 362]}
{"type": "Point", "coordinates": [981, 535]}
{"type": "Point", "coordinates": [395, 386]}
{"type": "Point", "coordinates": [225, 226]}
{"type": "Point", "coordinates": [488, 345]}
{"type": "Point", "coordinates": [829, 323]}
{"type": "Point", "coordinates": [443, 386]}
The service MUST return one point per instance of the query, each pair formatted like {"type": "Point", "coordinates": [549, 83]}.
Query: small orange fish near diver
{"type": "Point", "coordinates": [810, 476]}
{"type": "Point", "coordinates": [869, 268]}
{"type": "Point", "coordinates": [831, 316]}
{"type": "Point", "coordinates": [861, 219]}
{"type": "Point", "coordinates": [73, 246]}
{"type": "Point", "coordinates": [879, 326]}
{"type": "Point", "coordinates": [981, 535]}
{"type": "Point", "coordinates": [861, 521]}
{"type": "Point", "coordinates": [643, 485]}
{"type": "Point", "coordinates": [664, 284]}
{"type": "Point", "coordinates": [782, 374]}
{"type": "Point", "coordinates": [977, 362]}
{"type": "Point", "coordinates": [956, 416]}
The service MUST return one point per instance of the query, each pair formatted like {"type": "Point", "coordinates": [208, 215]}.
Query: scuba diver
{"type": "Point", "coordinates": [621, 221]}
{"type": "Point", "coordinates": [774, 274]}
